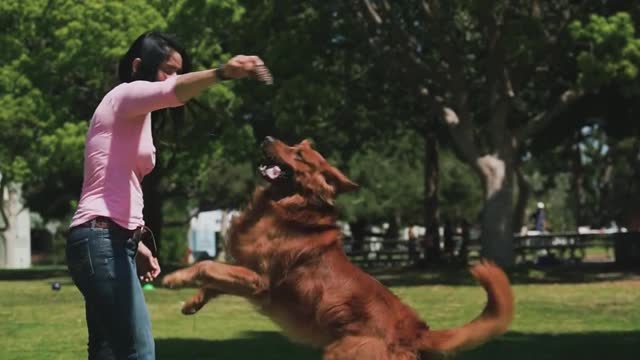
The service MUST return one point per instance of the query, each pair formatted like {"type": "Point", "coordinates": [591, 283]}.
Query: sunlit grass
{"type": "Point", "coordinates": [553, 321]}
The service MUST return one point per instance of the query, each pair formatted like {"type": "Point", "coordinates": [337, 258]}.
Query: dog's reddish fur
{"type": "Point", "coordinates": [289, 262]}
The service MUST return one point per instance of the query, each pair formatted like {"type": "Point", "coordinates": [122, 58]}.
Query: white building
{"type": "Point", "coordinates": [15, 229]}
{"type": "Point", "coordinates": [206, 232]}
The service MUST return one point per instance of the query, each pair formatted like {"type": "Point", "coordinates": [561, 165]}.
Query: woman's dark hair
{"type": "Point", "coordinates": [152, 48]}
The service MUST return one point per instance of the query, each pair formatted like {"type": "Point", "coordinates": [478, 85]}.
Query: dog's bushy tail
{"type": "Point", "coordinates": [493, 321]}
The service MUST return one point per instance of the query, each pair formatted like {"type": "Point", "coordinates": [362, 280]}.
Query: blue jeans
{"type": "Point", "coordinates": [102, 265]}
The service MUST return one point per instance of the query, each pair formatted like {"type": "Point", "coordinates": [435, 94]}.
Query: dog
{"type": "Point", "coordinates": [289, 262]}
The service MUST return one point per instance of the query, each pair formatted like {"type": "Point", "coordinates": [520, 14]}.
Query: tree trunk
{"type": "Point", "coordinates": [497, 227]}
{"type": "Point", "coordinates": [524, 192]}
{"type": "Point", "coordinates": [358, 229]}
{"type": "Point", "coordinates": [431, 177]}
{"type": "Point", "coordinates": [431, 186]}
{"type": "Point", "coordinates": [153, 201]}
{"type": "Point", "coordinates": [577, 175]}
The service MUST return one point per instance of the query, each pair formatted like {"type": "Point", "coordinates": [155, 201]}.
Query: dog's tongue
{"type": "Point", "coordinates": [272, 172]}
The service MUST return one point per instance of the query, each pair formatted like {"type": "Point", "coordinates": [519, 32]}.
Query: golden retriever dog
{"type": "Point", "coordinates": [289, 262]}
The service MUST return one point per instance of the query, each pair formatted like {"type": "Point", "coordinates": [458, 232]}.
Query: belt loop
{"type": "Point", "coordinates": [93, 223]}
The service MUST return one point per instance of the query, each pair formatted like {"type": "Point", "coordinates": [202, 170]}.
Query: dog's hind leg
{"type": "Point", "coordinates": [222, 278]}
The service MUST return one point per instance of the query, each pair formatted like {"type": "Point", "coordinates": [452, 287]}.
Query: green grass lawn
{"type": "Point", "coordinates": [559, 316]}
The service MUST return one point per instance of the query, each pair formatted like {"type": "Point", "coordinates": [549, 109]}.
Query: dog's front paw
{"type": "Point", "coordinates": [190, 309]}
{"type": "Point", "coordinates": [196, 303]}
{"type": "Point", "coordinates": [176, 279]}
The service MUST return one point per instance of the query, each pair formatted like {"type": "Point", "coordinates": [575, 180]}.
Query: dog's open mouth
{"type": "Point", "coordinates": [273, 167]}
{"type": "Point", "coordinates": [270, 172]}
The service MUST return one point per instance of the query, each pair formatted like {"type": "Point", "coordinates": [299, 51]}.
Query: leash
{"type": "Point", "coordinates": [139, 235]}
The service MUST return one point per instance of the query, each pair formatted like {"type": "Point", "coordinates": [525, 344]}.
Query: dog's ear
{"type": "Point", "coordinates": [317, 188]}
{"type": "Point", "coordinates": [323, 190]}
{"type": "Point", "coordinates": [307, 142]}
{"type": "Point", "coordinates": [326, 198]}
{"type": "Point", "coordinates": [340, 181]}
{"type": "Point", "coordinates": [331, 184]}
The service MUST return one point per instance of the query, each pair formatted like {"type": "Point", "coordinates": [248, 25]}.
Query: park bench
{"type": "Point", "coordinates": [566, 246]}
{"type": "Point", "coordinates": [380, 252]}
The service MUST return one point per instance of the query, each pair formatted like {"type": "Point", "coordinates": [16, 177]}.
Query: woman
{"type": "Point", "coordinates": [104, 257]}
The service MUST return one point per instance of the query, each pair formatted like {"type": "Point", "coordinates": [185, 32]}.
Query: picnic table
{"type": "Point", "coordinates": [382, 252]}
{"type": "Point", "coordinates": [564, 246]}
{"type": "Point", "coordinates": [376, 250]}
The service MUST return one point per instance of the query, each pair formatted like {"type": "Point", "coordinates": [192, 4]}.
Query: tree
{"type": "Point", "coordinates": [58, 60]}
{"type": "Point", "coordinates": [497, 73]}
{"type": "Point", "coordinates": [333, 87]}
{"type": "Point", "coordinates": [602, 126]}
{"type": "Point", "coordinates": [390, 177]}
{"type": "Point", "coordinates": [205, 134]}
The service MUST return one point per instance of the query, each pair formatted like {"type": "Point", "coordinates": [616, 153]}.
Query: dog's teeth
{"type": "Point", "coordinates": [272, 172]}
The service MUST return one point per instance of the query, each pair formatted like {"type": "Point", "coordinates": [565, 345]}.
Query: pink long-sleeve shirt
{"type": "Point", "coordinates": [119, 151]}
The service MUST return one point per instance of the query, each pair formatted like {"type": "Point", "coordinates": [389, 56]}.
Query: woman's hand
{"type": "Point", "coordinates": [242, 66]}
{"type": "Point", "coordinates": [148, 265]}
{"type": "Point", "coordinates": [190, 85]}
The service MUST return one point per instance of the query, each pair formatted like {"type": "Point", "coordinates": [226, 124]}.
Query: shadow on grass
{"type": "Point", "coordinates": [263, 345]}
{"type": "Point", "coordinates": [435, 275]}
{"type": "Point", "coordinates": [529, 274]}
{"type": "Point", "coordinates": [514, 345]}
{"type": "Point", "coordinates": [583, 346]}
{"type": "Point", "coordinates": [55, 271]}
{"type": "Point", "coordinates": [35, 273]}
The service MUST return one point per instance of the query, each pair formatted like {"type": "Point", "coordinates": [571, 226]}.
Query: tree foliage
{"type": "Point", "coordinates": [58, 60]}
{"type": "Point", "coordinates": [610, 54]}
{"type": "Point", "coordinates": [497, 74]}
{"type": "Point", "coordinates": [510, 83]}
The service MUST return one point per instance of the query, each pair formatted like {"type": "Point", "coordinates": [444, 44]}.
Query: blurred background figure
{"type": "Point", "coordinates": [539, 218]}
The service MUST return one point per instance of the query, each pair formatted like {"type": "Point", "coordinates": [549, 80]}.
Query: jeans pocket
{"type": "Point", "coordinates": [106, 268]}
{"type": "Point", "coordinates": [79, 258]}
{"type": "Point", "coordinates": [104, 252]}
